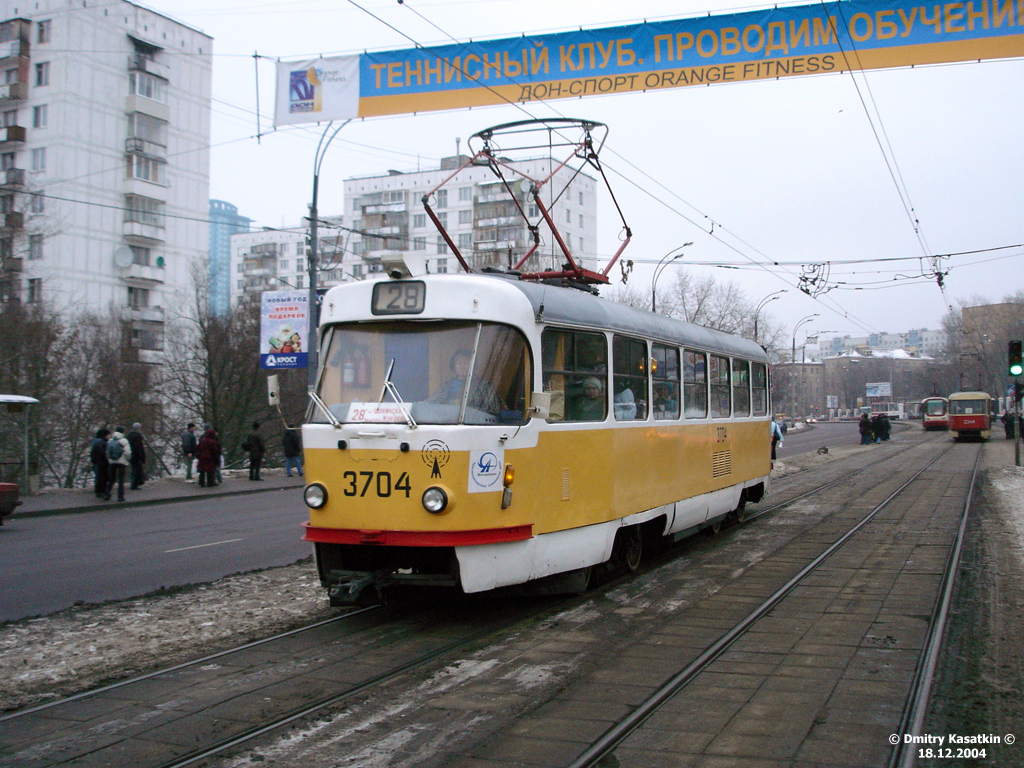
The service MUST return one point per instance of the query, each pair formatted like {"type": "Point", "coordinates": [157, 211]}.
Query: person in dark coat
{"type": "Point", "coordinates": [292, 444]}
{"type": "Point", "coordinates": [866, 434]}
{"type": "Point", "coordinates": [254, 445]}
{"type": "Point", "coordinates": [138, 455]}
{"type": "Point", "coordinates": [885, 427]}
{"type": "Point", "coordinates": [208, 458]}
{"type": "Point", "coordinates": [100, 462]}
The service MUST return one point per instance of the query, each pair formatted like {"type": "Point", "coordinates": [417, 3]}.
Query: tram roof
{"type": "Point", "coordinates": [569, 306]}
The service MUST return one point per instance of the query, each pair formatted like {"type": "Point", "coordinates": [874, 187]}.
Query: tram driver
{"type": "Point", "coordinates": [482, 395]}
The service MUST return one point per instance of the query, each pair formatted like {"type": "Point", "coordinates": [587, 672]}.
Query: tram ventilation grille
{"type": "Point", "coordinates": [721, 463]}
{"type": "Point", "coordinates": [565, 485]}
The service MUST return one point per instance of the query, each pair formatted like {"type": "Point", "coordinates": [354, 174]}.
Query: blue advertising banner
{"type": "Point", "coordinates": [755, 45]}
{"type": "Point", "coordinates": [284, 329]}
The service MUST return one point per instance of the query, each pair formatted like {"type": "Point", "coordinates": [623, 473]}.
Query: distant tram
{"type": "Point", "coordinates": [970, 415]}
{"type": "Point", "coordinates": [935, 413]}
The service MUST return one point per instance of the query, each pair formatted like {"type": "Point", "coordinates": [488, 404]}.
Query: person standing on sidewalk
{"type": "Point", "coordinates": [254, 445]}
{"type": "Point", "coordinates": [208, 458]}
{"type": "Point", "coordinates": [189, 444]}
{"type": "Point", "coordinates": [119, 454]}
{"type": "Point", "coordinates": [100, 462]}
{"type": "Point", "coordinates": [292, 444]}
{"type": "Point", "coordinates": [138, 456]}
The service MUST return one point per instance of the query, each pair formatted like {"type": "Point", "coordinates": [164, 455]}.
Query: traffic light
{"type": "Point", "coordinates": [1014, 353]}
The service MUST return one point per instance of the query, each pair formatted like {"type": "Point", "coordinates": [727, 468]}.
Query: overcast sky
{"type": "Point", "coordinates": [765, 178]}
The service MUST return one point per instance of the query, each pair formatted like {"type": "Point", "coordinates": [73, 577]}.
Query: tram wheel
{"type": "Point", "coordinates": [629, 548]}
{"type": "Point", "coordinates": [739, 515]}
{"type": "Point", "coordinates": [715, 528]}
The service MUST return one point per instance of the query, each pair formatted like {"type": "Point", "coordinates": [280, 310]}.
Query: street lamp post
{"type": "Point", "coordinates": [792, 390]}
{"type": "Point", "coordinates": [664, 262]}
{"type": "Point", "coordinates": [312, 258]}
{"type": "Point", "coordinates": [765, 300]}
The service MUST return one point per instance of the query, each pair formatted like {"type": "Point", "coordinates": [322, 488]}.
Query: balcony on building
{"type": "Point", "coordinates": [14, 221]}
{"type": "Point", "coordinates": [17, 46]}
{"type": "Point", "coordinates": [143, 62]}
{"type": "Point", "coordinates": [495, 245]}
{"type": "Point", "coordinates": [12, 134]}
{"type": "Point", "coordinates": [15, 177]}
{"type": "Point", "coordinates": [13, 92]}
{"type": "Point", "coordinates": [143, 233]}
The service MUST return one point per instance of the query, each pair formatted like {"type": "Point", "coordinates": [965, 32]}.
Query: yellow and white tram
{"type": "Point", "coordinates": [480, 431]}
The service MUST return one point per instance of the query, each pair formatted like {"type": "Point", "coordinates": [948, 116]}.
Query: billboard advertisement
{"type": "Point", "coordinates": [284, 329]}
{"type": "Point", "coordinates": [827, 37]}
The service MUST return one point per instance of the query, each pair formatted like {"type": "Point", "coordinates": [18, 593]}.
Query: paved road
{"type": "Point", "coordinates": [53, 561]}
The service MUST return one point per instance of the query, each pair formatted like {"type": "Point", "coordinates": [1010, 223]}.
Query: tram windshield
{"type": "Point", "coordinates": [445, 372]}
{"type": "Point", "coordinates": [935, 407]}
{"type": "Point", "coordinates": [971, 407]}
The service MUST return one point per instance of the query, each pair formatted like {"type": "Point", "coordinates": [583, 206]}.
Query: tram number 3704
{"type": "Point", "coordinates": [383, 487]}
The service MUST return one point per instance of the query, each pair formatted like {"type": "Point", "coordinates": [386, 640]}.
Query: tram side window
{"type": "Point", "coordinates": [575, 371]}
{"type": "Point", "coordinates": [718, 375]}
{"type": "Point", "coordinates": [695, 385]}
{"type": "Point", "coordinates": [759, 388]}
{"type": "Point", "coordinates": [741, 387]}
{"type": "Point", "coordinates": [629, 360]}
{"type": "Point", "coordinates": [665, 377]}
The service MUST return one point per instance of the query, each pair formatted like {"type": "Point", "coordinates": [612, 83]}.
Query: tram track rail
{"type": "Point", "coordinates": [605, 745]}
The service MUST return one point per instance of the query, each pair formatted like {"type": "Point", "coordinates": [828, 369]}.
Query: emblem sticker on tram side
{"type": "Point", "coordinates": [435, 454]}
{"type": "Point", "coordinates": [485, 470]}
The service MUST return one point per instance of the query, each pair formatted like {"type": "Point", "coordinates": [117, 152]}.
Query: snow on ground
{"type": "Point", "coordinates": [1008, 482]}
{"type": "Point", "coordinates": [82, 647]}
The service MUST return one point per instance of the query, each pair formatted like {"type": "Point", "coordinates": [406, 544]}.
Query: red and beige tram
{"type": "Point", "coordinates": [479, 431]}
{"type": "Point", "coordinates": [970, 415]}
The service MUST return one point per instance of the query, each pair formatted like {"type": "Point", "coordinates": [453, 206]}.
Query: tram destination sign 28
{"type": "Point", "coordinates": [803, 40]}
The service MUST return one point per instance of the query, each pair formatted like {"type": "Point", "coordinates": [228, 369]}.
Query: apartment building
{"type": "Point", "coordinates": [104, 161]}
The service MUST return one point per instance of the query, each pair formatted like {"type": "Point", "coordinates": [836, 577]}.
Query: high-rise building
{"type": "Point", "coordinates": [387, 218]}
{"type": "Point", "coordinates": [104, 161]}
{"type": "Point", "coordinates": [224, 222]}
{"type": "Point", "coordinates": [480, 213]}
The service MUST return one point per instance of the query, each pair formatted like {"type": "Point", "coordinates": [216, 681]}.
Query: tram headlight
{"type": "Point", "coordinates": [315, 495]}
{"type": "Point", "coordinates": [435, 500]}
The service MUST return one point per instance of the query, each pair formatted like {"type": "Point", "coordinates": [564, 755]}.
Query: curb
{"type": "Point", "coordinates": [105, 505]}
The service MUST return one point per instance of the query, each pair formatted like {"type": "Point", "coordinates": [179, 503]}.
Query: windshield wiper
{"type": "Point", "coordinates": [389, 388]}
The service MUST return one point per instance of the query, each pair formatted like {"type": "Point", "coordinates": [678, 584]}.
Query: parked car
{"type": "Point", "coordinates": [9, 499]}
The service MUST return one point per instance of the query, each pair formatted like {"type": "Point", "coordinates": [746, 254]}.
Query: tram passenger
{"type": "Point", "coordinates": [666, 406]}
{"type": "Point", "coordinates": [590, 406]}
{"type": "Point", "coordinates": [482, 395]}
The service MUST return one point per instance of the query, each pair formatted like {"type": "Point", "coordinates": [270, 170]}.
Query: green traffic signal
{"type": "Point", "coordinates": [1014, 354]}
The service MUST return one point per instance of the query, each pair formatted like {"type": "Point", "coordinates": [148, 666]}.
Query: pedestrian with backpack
{"type": "Point", "coordinates": [119, 454]}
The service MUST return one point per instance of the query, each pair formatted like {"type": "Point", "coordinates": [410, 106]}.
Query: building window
{"type": "Point", "coordinates": [568, 217]}
{"type": "Point", "coordinates": [144, 210]}
{"type": "Point", "coordinates": [465, 194]}
{"type": "Point", "coordinates": [6, 161]}
{"type": "Point", "coordinates": [140, 255]}
{"type": "Point", "coordinates": [442, 266]}
{"type": "Point", "coordinates": [282, 266]}
{"type": "Point", "coordinates": [443, 218]}
{"type": "Point", "coordinates": [146, 85]}
{"type": "Point", "coordinates": [43, 31]}
{"type": "Point", "coordinates": [465, 241]}
{"type": "Point", "coordinates": [465, 217]}
{"type": "Point", "coordinates": [419, 243]}
{"type": "Point", "coordinates": [581, 198]}
{"type": "Point", "coordinates": [10, 76]}
{"type": "Point", "coordinates": [419, 220]}
{"type": "Point", "coordinates": [38, 203]}
{"type": "Point", "coordinates": [10, 117]}
{"type": "Point", "coordinates": [147, 169]}
{"type": "Point", "coordinates": [39, 159]}
{"type": "Point", "coordinates": [40, 116]}
{"type": "Point", "coordinates": [6, 204]}
{"type": "Point", "coordinates": [138, 298]}
{"type": "Point", "coordinates": [298, 281]}
{"type": "Point", "coordinates": [35, 246]}
{"type": "Point", "coordinates": [441, 198]}
{"type": "Point", "coordinates": [148, 336]}
{"type": "Point", "coordinates": [42, 73]}
{"type": "Point", "coordinates": [581, 221]}
{"type": "Point", "coordinates": [35, 290]}
{"type": "Point", "coordinates": [442, 246]}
